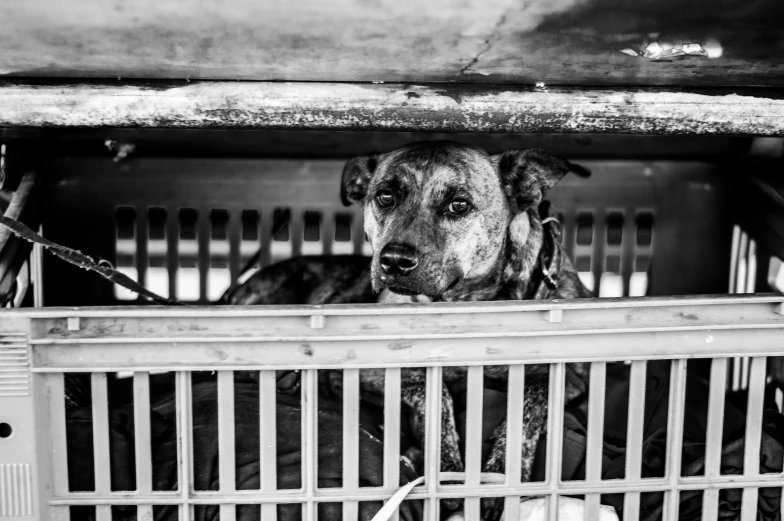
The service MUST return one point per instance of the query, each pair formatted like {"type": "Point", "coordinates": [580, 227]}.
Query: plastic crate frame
{"type": "Point", "coordinates": [40, 345]}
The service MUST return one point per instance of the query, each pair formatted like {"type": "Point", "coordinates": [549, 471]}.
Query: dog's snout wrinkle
{"type": "Point", "coordinates": [398, 259]}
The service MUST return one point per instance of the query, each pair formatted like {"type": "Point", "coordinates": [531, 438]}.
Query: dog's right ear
{"type": "Point", "coordinates": [356, 177]}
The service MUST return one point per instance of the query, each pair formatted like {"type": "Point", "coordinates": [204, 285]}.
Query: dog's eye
{"type": "Point", "coordinates": [458, 207]}
{"type": "Point", "coordinates": [385, 199]}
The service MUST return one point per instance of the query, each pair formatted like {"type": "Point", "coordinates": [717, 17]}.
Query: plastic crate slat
{"type": "Point", "coordinates": [144, 513]}
{"type": "Point", "coordinates": [594, 448]}
{"type": "Point", "coordinates": [635, 420]}
{"type": "Point", "coordinates": [474, 418]}
{"type": "Point", "coordinates": [267, 433]}
{"type": "Point", "coordinates": [756, 399]}
{"type": "Point", "coordinates": [715, 425]}
{"type": "Point", "coordinates": [101, 453]}
{"type": "Point", "coordinates": [555, 419]}
{"type": "Point", "coordinates": [392, 410]}
{"type": "Point", "coordinates": [309, 442]}
{"type": "Point", "coordinates": [631, 506]}
{"type": "Point", "coordinates": [56, 397]}
{"type": "Point", "coordinates": [184, 406]}
{"type": "Point", "coordinates": [226, 449]}
{"type": "Point", "coordinates": [141, 422]}
{"type": "Point", "coordinates": [748, 509]}
{"type": "Point", "coordinates": [432, 442]}
{"type": "Point", "coordinates": [514, 424]}
{"type": "Point", "coordinates": [350, 429]}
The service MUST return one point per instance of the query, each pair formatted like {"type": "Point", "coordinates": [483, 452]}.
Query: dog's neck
{"type": "Point", "coordinates": [513, 274]}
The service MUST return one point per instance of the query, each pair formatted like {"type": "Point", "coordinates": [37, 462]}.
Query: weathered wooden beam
{"type": "Point", "coordinates": [390, 107]}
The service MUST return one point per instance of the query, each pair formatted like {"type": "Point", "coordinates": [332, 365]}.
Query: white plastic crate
{"type": "Point", "coordinates": [40, 346]}
{"type": "Point", "coordinates": [603, 232]}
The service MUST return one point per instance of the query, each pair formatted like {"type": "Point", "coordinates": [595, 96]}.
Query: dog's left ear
{"type": "Point", "coordinates": [527, 175]}
{"type": "Point", "coordinates": [356, 177]}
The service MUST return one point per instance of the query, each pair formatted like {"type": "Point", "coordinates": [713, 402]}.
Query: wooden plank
{"type": "Point", "coordinates": [565, 42]}
{"type": "Point", "coordinates": [353, 106]}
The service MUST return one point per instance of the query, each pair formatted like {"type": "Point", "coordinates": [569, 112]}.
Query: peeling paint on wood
{"type": "Point", "coordinates": [390, 107]}
{"type": "Point", "coordinates": [559, 42]}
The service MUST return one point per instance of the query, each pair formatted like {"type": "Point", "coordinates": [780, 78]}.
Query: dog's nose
{"type": "Point", "coordinates": [398, 259]}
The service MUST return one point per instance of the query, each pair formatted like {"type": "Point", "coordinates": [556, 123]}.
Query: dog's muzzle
{"type": "Point", "coordinates": [398, 260]}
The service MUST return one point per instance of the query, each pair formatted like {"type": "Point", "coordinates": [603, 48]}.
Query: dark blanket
{"type": "Point", "coordinates": [205, 450]}
{"type": "Point", "coordinates": [654, 443]}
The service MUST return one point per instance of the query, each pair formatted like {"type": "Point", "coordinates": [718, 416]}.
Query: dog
{"type": "Point", "coordinates": [447, 223]}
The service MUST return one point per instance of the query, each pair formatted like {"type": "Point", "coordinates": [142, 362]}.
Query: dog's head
{"type": "Point", "coordinates": [438, 214]}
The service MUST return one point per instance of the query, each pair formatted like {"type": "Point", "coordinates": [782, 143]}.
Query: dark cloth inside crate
{"type": "Point", "coordinates": [248, 471]}
{"type": "Point", "coordinates": [655, 443]}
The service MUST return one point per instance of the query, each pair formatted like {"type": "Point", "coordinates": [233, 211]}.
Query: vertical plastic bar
{"type": "Point", "coordinates": [269, 512]}
{"type": "Point", "coordinates": [740, 285]}
{"type": "Point", "coordinates": [636, 418]}
{"type": "Point", "coordinates": [142, 254]}
{"type": "Point", "coordinates": [203, 239]}
{"type": "Point", "coordinates": [357, 234]}
{"type": "Point", "coordinates": [598, 255]}
{"type": "Point", "coordinates": [751, 272]}
{"type": "Point", "coordinates": [144, 513]}
{"type": "Point", "coordinates": [103, 513]}
{"type": "Point", "coordinates": [226, 449]}
{"type": "Point", "coordinates": [296, 232]}
{"type": "Point", "coordinates": [471, 505]}
{"type": "Point", "coordinates": [351, 429]}
{"type": "Point", "coordinates": [631, 506]}
{"type": "Point", "coordinates": [184, 405]}
{"type": "Point", "coordinates": [172, 249]}
{"type": "Point", "coordinates": [392, 425]}
{"type": "Point", "coordinates": [56, 397]}
{"type": "Point", "coordinates": [433, 439]}
{"type": "Point", "coordinates": [734, 253]}
{"type": "Point", "coordinates": [267, 436]}
{"type": "Point", "coordinates": [514, 425]}
{"type": "Point", "coordinates": [592, 507]}
{"type": "Point", "coordinates": [309, 444]}
{"type": "Point", "coordinates": [514, 438]}
{"type": "Point", "coordinates": [226, 452]}
{"type": "Point", "coordinates": [748, 508]}
{"type": "Point", "coordinates": [38, 273]}
{"type": "Point", "coordinates": [235, 238]}
{"type": "Point", "coordinates": [266, 237]}
{"type": "Point", "coordinates": [141, 423]}
{"type": "Point", "coordinates": [628, 242]}
{"type": "Point", "coordinates": [715, 426]}
{"type": "Point", "coordinates": [675, 437]}
{"type": "Point", "coordinates": [754, 417]}
{"type": "Point", "coordinates": [745, 363]}
{"type": "Point", "coordinates": [555, 412]}
{"type": "Point", "coordinates": [473, 442]}
{"type": "Point", "coordinates": [350, 510]}
{"type": "Point", "coordinates": [511, 508]}
{"type": "Point", "coordinates": [101, 433]}
{"type": "Point", "coordinates": [710, 504]}
{"type": "Point", "coordinates": [593, 453]}
{"type": "Point", "coordinates": [327, 231]}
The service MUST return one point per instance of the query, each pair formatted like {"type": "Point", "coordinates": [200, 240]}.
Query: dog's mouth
{"type": "Point", "coordinates": [400, 290]}
{"type": "Point", "coordinates": [395, 287]}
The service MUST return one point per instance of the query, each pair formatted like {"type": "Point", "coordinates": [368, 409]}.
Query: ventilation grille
{"type": "Point", "coordinates": [611, 249]}
{"type": "Point", "coordinates": [14, 363]}
{"type": "Point", "coordinates": [193, 254]}
{"type": "Point", "coordinates": [16, 490]}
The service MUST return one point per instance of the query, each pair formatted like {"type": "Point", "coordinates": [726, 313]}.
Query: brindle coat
{"type": "Point", "coordinates": [469, 224]}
